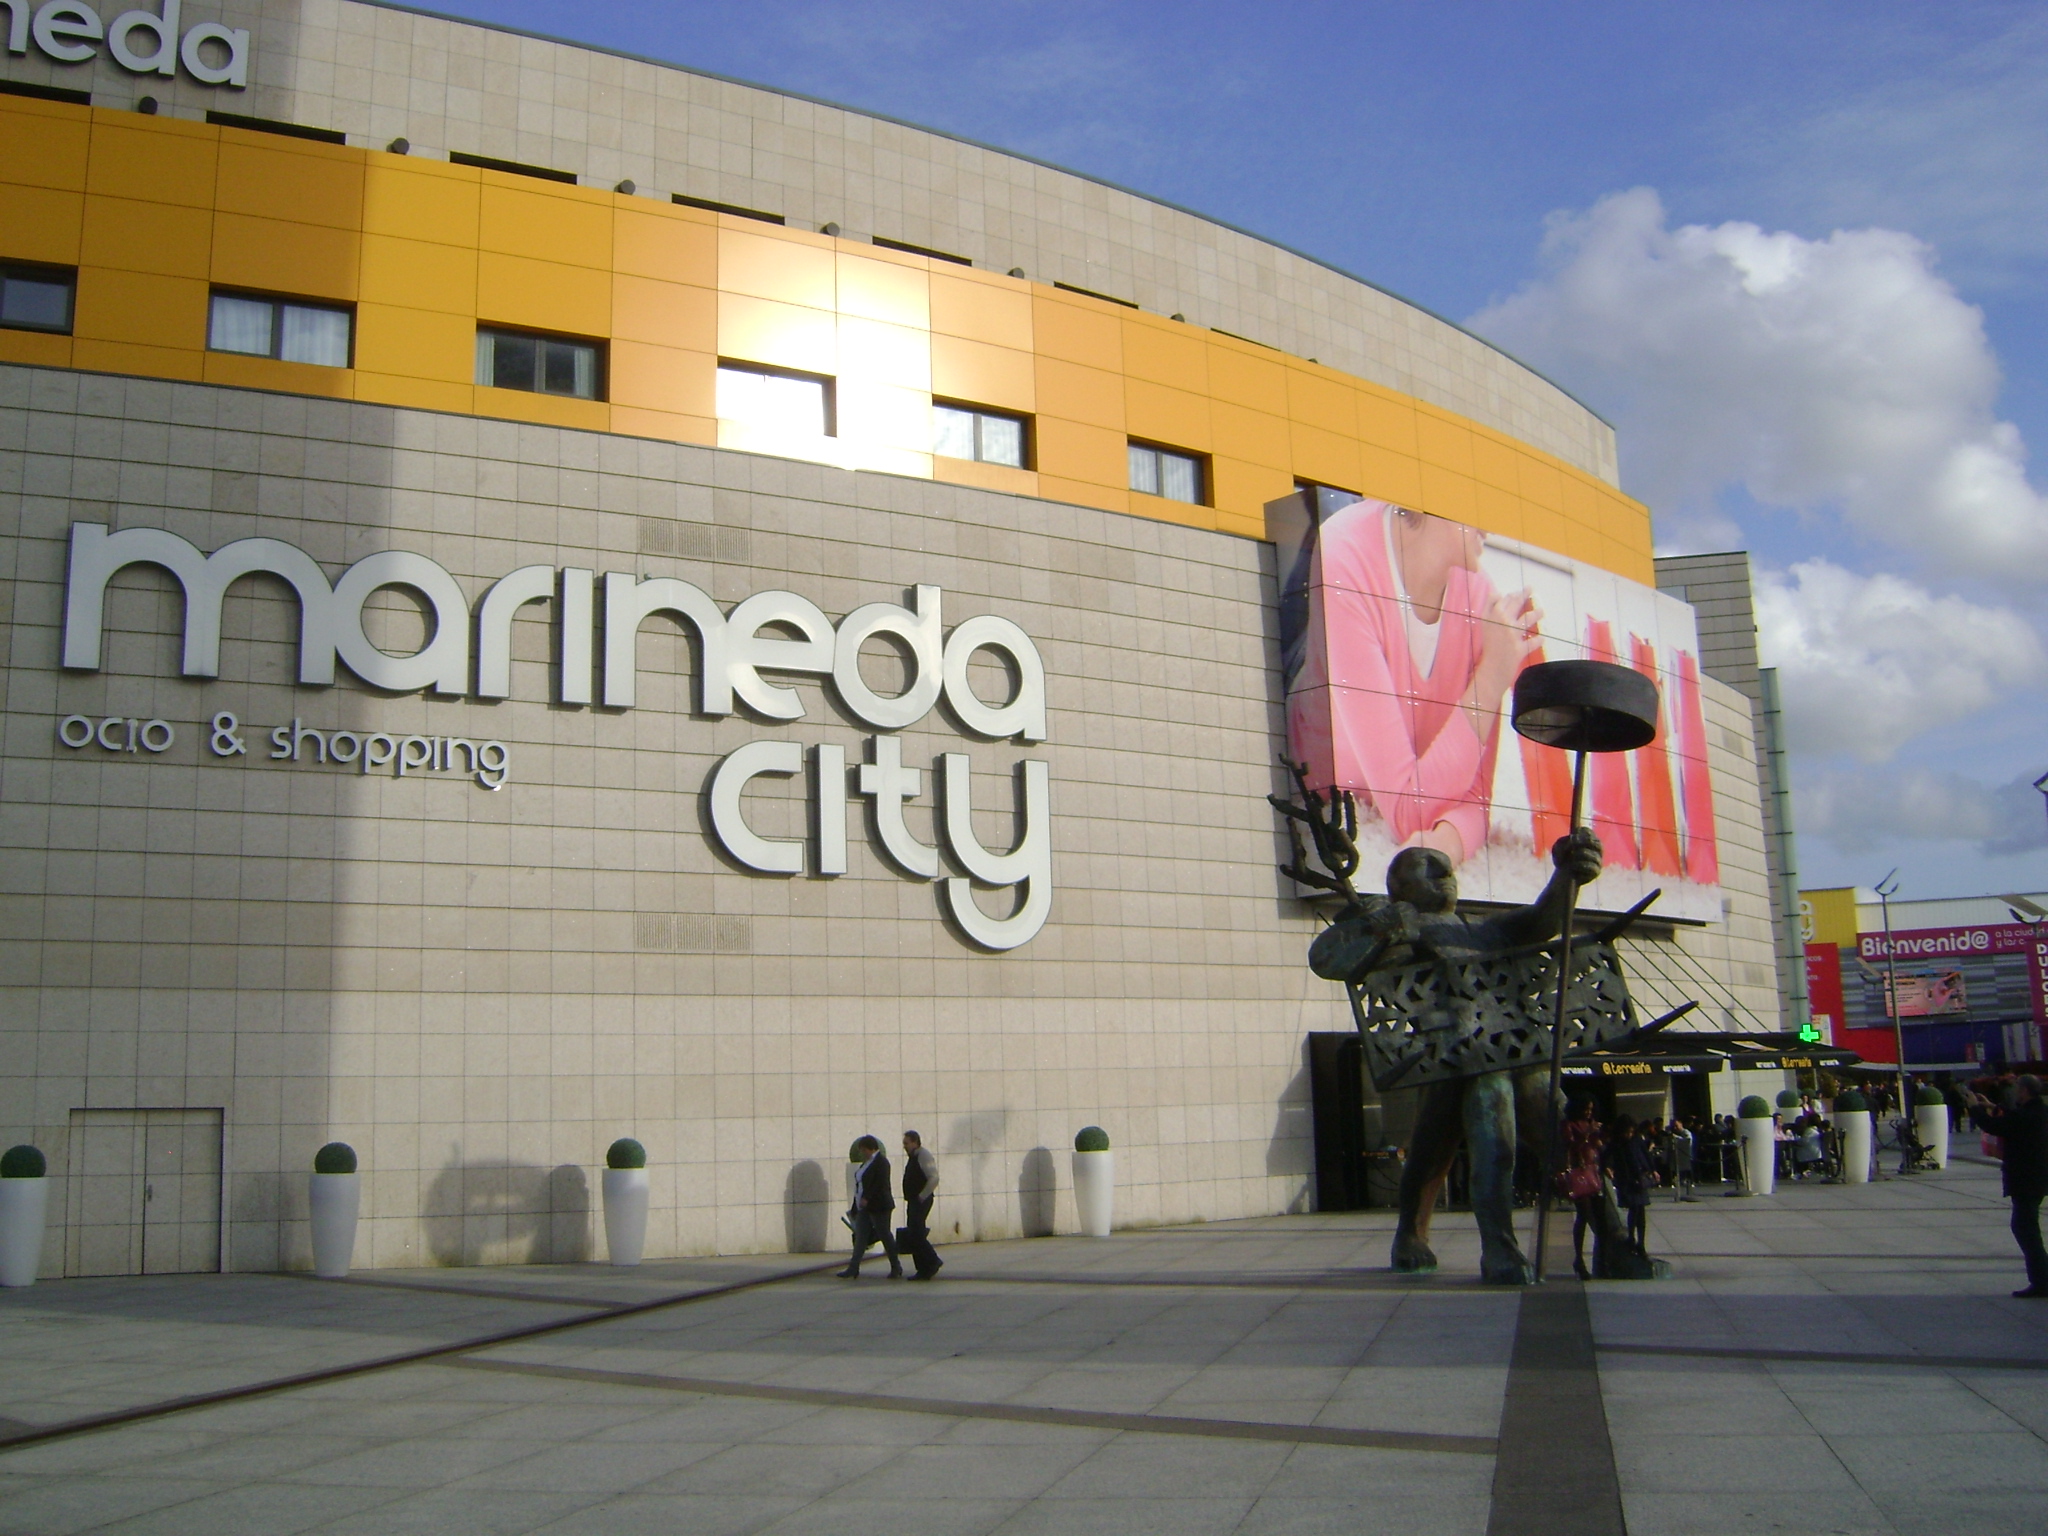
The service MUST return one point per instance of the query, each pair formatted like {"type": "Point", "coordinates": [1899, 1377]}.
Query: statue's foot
{"type": "Point", "coordinates": [1412, 1256]}
{"type": "Point", "coordinates": [1510, 1269]}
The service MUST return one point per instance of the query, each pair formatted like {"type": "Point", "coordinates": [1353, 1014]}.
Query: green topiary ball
{"type": "Point", "coordinates": [1930, 1096]}
{"type": "Point", "coordinates": [23, 1162]}
{"type": "Point", "coordinates": [335, 1157]}
{"type": "Point", "coordinates": [1092, 1138]}
{"type": "Point", "coordinates": [1851, 1102]}
{"type": "Point", "coordinates": [1753, 1108]}
{"type": "Point", "coordinates": [1788, 1098]}
{"type": "Point", "coordinates": [625, 1153]}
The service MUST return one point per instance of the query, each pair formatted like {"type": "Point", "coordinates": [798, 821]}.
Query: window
{"type": "Point", "coordinates": [798, 404]}
{"type": "Point", "coordinates": [36, 298]}
{"type": "Point", "coordinates": [542, 365]}
{"type": "Point", "coordinates": [280, 328]}
{"type": "Point", "coordinates": [961, 432]}
{"type": "Point", "coordinates": [1162, 472]}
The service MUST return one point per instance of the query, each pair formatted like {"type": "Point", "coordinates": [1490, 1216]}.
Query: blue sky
{"type": "Point", "coordinates": [1581, 183]}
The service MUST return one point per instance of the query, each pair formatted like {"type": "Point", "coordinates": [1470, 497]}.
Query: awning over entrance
{"type": "Point", "coordinates": [1681, 1053]}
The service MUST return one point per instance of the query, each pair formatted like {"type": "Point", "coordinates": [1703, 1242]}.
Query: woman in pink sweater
{"type": "Point", "coordinates": [1411, 652]}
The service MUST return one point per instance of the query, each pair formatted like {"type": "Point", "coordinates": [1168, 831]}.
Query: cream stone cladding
{"type": "Point", "coordinates": [480, 991]}
{"type": "Point", "coordinates": [379, 73]}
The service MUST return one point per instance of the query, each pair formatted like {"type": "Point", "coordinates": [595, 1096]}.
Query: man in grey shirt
{"type": "Point", "coordinates": [920, 1188]}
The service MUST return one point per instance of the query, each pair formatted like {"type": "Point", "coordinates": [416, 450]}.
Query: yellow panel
{"type": "Point", "coordinates": [664, 425]}
{"type": "Point", "coordinates": [520, 216]}
{"type": "Point", "coordinates": [1166, 352]}
{"type": "Point", "coordinates": [1317, 400]}
{"type": "Point", "coordinates": [544, 295]}
{"type": "Point", "coordinates": [788, 268]}
{"type": "Point", "coordinates": [169, 161]}
{"type": "Point", "coordinates": [989, 477]}
{"type": "Point", "coordinates": [1540, 481]}
{"type": "Point", "coordinates": [421, 394]}
{"type": "Point", "coordinates": [418, 274]}
{"type": "Point", "coordinates": [1183, 512]}
{"type": "Point", "coordinates": [1543, 528]}
{"type": "Point", "coordinates": [1329, 458]}
{"type": "Point", "coordinates": [130, 357]}
{"type": "Point", "coordinates": [1495, 462]}
{"type": "Point", "coordinates": [996, 310]}
{"type": "Point", "coordinates": [275, 178]}
{"type": "Point", "coordinates": [666, 241]}
{"type": "Point", "coordinates": [550, 410]}
{"type": "Point", "coordinates": [1243, 489]}
{"type": "Point", "coordinates": [1239, 374]}
{"type": "Point", "coordinates": [1252, 436]}
{"type": "Point", "coordinates": [1496, 510]}
{"type": "Point", "coordinates": [664, 379]}
{"type": "Point", "coordinates": [1449, 494]}
{"type": "Point", "coordinates": [416, 343]}
{"type": "Point", "coordinates": [42, 225]}
{"type": "Point", "coordinates": [1389, 476]}
{"type": "Point", "coordinates": [668, 314]}
{"type": "Point", "coordinates": [1077, 331]}
{"type": "Point", "coordinates": [981, 374]}
{"type": "Point", "coordinates": [142, 308]}
{"type": "Point", "coordinates": [1386, 419]}
{"type": "Point", "coordinates": [1581, 501]}
{"type": "Point", "coordinates": [1084, 493]}
{"type": "Point", "coordinates": [896, 290]}
{"type": "Point", "coordinates": [892, 354]}
{"type": "Point", "coordinates": [1071, 450]}
{"type": "Point", "coordinates": [1080, 394]}
{"type": "Point", "coordinates": [1173, 417]}
{"type": "Point", "coordinates": [43, 143]}
{"type": "Point", "coordinates": [35, 347]}
{"type": "Point", "coordinates": [286, 378]}
{"type": "Point", "coordinates": [1242, 525]}
{"type": "Point", "coordinates": [1443, 441]}
{"type": "Point", "coordinates": [146, 237]}
{"type": "Point", "coordinates": [422, 200]}
{"type": "Point", "coordinates": [285, 258]}
{"type": "Point", "coordinates": [780, 335]}
{"type": "Point", "coordinates": [1832, 915]}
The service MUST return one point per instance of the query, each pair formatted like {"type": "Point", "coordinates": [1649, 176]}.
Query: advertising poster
{"type": "Point", "coordinates": [1402, 634]}
{"type": "Point", "coordinates": [1976, 994]}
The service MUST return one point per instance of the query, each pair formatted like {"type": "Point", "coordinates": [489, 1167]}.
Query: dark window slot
{"type": "Point", "coordinates": [918, 250]}
{"type": "Point", "coordinates": [734, 209]}
{"type": "Point", "coordinates": [512, 168]}
{"type": "Point", "coordinates": [1090, 293]}
{"type": "Point", "coordinates": [45, 92]}
{"type": "Point", "coordinates": [37, 298]}
{"type": "Point", "coordinates": [271, 125]}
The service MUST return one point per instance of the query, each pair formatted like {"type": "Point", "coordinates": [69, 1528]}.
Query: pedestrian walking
{"type": "Point", "coordinates": [920, 1188]}
{"type": "Point", "coordinates": [873, 1206]}
{"type": "Point", "coordinates": [2023, 1129]}
{"type": "Point", "coordinates": [1681, 1160]}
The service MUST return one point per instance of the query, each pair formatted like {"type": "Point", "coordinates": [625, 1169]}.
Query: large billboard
{"type": "Point", "coordinates": [1402, 634]}
{"type": "Point", "coordinates": [1970, 994]}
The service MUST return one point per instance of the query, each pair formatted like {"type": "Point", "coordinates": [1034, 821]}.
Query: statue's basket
{"type": "Point", "coordinates": [1442, 1019]}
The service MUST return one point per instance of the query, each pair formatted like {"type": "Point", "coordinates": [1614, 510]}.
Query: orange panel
{"type": "Point", "coordinates": [543, 295]}
{"type": "Point", "coordinates": [1389, 476]}
{"type": "Point", "coordinates": [664, 379]}
{"type": "Point", "coordinates": [673, 243]}
{"type": "Point", "coordinates": [1243, 525]}
{"type": "Point", "coordinates": [1166, 352]}
{"type": "Point", "coordinates": [1175, 418]}
{"type": "Point", "coordinates": [895, 290]}
{"type": "Point", "coordinates": [42, 225]}
{"type": "Point", "coordinates": [416, 343]}
{"type": "Point", "coordinates": [304, 259]}
{"type": "Point", "coordinates": [519, 216]}
{"type": "Point", "coordinates": [668, 314]}
{"type": "Point", "coordinates": [1443, 441]}
{"type": "Point", "coordinates": [418, 274]}
{"type": "Point", "coordinates": [286, 378]}
{"type": "Point", "coordinates": [1329, 458]}
{"type": "Point", "coordinates": [996, 310]}
{"type": "Point", "coordinates": [130, 357]}
{"type": "Point", "coordinates": [1496, 510]}
{"type": "Point", "coordinates": [307, 183]}
{"type": "Point", "coordinates": [759, 330]}
{"type": "Point", "coordinates": [1253, 436]}
{"type": "Point", "coordinates": [1080, 394]}
{"type": "Point", "coordinates": [550, 410]}
{"type": "Point", "coordinates": [422, 200]}
{"type": "Point", "coordinates": [43, 143]}
{"type": "Point", "coordinates": [1449, 494]}
{"type": "Point", "coordinates": [1083, 493]}
{"type": "Point", "coordinates": [1183, 512]}
{"type": "Point", "coordinates": [665, 426]}
{"type": "Point", "coordinates": [980, 374]}
{"type": "Point", "coordinates": [1544, 529]}
{"type": "Point", "coordinates": [1386, 420]}
{"type": "Point", "coordinates": [789, 268]}
{"type": "Point", "coordinates": [1540, 481]}
{"type": "Point", "coordinates": [1581, 501]}
{"type": "Point", "coordinates": [1071, 450]}
{"type": "Point", "coordinates": [420, 394]}
{"type": "Point", "coordinates": [1077, 331]}
{"type": "Point", "coordinates": [1239, 374]}
{"type": "Point", "coordinates": [35, 347]}
{"type": "Point", "coordinates": [989, 477]}
{"type": "Point", "coordinates": [1243, 489]}
{"type": "Point", "coordinates": [1318, 400]}
{"type": "Point", "coordinates": [1495, 462]}
{"type": "Point", "coordinates": [142, 308]}
{"type": "Point", "coordinates": [146, 237]}
{"type": "Point", "coordinates": [169, 161]}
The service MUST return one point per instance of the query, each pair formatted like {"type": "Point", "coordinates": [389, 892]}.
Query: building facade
{"type": "Point", "coordinates": [551, 597]}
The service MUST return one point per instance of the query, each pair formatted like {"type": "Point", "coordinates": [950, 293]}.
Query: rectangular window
{"type": "Point", "coordinates": [282, 328]}
{"type": "Point", "coordinates": [797, 404]}
{"type": "Point", "coordinates": [961, 432]}
{"type": "Point", "coordinates": [1162, 472]}
{"type": "Point", "coordinates": [37, 298]}
{"type": "Point", "coordinates": [541, 365]}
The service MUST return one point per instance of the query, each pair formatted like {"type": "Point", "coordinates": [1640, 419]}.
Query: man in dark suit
{"type": "Point", "coordinates": [920, 1188]}
{"type": "Point", "coordinates": [2024, 1130]}
{"type": "Point", "coordinates": [874, 1206]}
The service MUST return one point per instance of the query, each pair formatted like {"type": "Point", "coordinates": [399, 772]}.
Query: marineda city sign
{"type": "Point", "coordinates": [141, 42]}
{"type": "Point", "coordinates": [597, 625]}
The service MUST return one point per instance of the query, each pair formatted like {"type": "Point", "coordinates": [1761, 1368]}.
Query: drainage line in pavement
{"type": "Point", "coordinates": [1554, 1474]}
{"type": "Point", "coordinates": [1830, 1357]}
{"type": "Point", "coordinates": [43, 1433]}
{"type": "Point", "coordinates": [1015, 1413]}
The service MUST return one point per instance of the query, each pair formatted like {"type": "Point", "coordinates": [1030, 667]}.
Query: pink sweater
{"type": "Point", "coordinates": [1360, 713]}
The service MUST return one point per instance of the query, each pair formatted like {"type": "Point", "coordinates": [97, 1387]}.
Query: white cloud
{"type": "Point", "coordinates": [1816, 374]}
{"type": "Point", "coordinates": [1867, 663]}
{"type": "Point", "coordinates": [1860, 810]}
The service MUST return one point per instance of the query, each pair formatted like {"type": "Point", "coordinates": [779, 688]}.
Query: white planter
{"type": "Point", "coordinates": [1854, 1124]}
{"type": "Point", "coordinates": [22, 1205]}
{"type": "Point", "coordinates": [625, 1214]}
{"type": "Point", "coordinates": [1760, 1155]}
{"type": "Point", "coordinates": [1931, 1121]}
{"type": "Point", "coordinates": [337, 1199]}
{"type": "Point", "coordinates": [1094, 1191]}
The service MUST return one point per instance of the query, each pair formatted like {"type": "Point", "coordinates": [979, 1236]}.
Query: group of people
{"type": "Point", "coordinates": [1623, 1160]}
{"type": "Point", "coordinates": [871, 1215]}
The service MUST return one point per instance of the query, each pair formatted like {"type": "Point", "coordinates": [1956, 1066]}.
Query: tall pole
{"type": "Point", "coordinates": [1564, 974]}
{"type": "Point", "coordinates": [1887, 888]}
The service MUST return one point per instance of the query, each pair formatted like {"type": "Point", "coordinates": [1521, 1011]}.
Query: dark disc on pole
{"type": "Point", "coordinates": [1586, 706]}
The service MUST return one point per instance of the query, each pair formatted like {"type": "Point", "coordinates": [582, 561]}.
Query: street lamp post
{"type": "Point", "coordinates": [1886, 889]}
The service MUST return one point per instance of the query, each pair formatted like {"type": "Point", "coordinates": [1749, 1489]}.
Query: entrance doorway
{"type": "Point", "coordinates": [143, 1192]}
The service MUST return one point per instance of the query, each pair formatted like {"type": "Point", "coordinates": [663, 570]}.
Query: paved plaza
{"type": "Point", "coordinates": [1824, 1360]}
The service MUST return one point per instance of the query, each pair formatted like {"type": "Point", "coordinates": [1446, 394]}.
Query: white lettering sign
{"type": "Point", "coordinates": [141, 42]}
